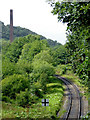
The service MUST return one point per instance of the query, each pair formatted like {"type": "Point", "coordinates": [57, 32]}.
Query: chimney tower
{"type": "Point", "coordinates": [11, 25]}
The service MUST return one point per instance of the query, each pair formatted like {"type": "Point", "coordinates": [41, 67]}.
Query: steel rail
{"type": "Point", "coordinates": [70, 100]}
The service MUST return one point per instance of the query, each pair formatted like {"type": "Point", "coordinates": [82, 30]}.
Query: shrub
{"type": "Point", "coordinates": [44, 81]}
{"type": "Point", "coordinates": [44, 56]}
{"type": "Point", "coordinates": [38, 89]}
{"type": "Point", "coordinates": [44, 70]}
{"type": "Point", "coordinates": [23, 98]}
{"type": "Point", "coordinates": [43, 67]}
{"type": "Point", "coordinates": [24, 66]}
{"type": "Point", "coordinates": [14, 84]}
{"type": "Point", "coordinates": [6, 98]}
{"type": "Point", "coordinates": [8, 68]}
{"type": "Point", "coordinates": [64, 70]}
{"type": "Point", "coordinates": [31, 49]}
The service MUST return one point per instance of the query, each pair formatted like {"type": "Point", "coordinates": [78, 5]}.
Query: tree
{"type": "Point", "coordinates": [73, 13]}
{"type": "Point", "coordinates": [76, 15]}
{"type": "Point", "coordinates": [32, 49]}
{"type": "Point", "coordinates": [59, 54]}
{"type": "Point", "coordinates": [44, 56]}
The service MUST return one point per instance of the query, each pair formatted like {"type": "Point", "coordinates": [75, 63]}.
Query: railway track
{"type": "Point", "coordinates": [74, 101]}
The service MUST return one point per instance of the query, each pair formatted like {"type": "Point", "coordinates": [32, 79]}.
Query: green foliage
{"type": "Point", "coordinates": [27, 68]}
{"type": "Point", "coordinates": [21, 32]}
{"type": "Point", "coordinates": [5, 45]}
{"type": "Point", "coordinates": [6, 99]}
{"type": "Point", "coordinates": [52, 43]}
{"type": "Point", "coordinates": [23, 98]}
{"type": "Point", "coordinates": [37, 89]}
{"type": "Point", "coordinates": [82, 71]}
{"type": "Point", "coordinates": [79, 55]}
{"type": "Point", "coordinates": [54, 94]}
{"type": "Point", "coordinates": [14, 84]}
{"type": "Point", "coordinates": [43, 67]}
{"type": "Point", "coordinates": [43, 81]}
{"type": "Point", "coordinates": [18, 31]}
{"type": "Point", "coordinates": [59, 55]}
{"type": "Point", "coordinates": [14, 50]}
{"type": "Point", "coordinates": [43, 71]}
{"type": "Point", "coordinates": [23, 67]}
{"type": "Point", "coordinates": [61, 69]}
{"type": "Point", "coordinates": [8, 68]}
{"type": "Point", "coordinates": [44, 56]}
{"type": "Point", "coordinates": [31, 49]}
{"type": "Point", "coordinates": [76, 15]}
{"type": "Point", "coordinates": [64, 70]}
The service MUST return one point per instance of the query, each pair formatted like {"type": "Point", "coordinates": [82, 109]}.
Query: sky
{"type": "Point", "coordinates": [34, 15]}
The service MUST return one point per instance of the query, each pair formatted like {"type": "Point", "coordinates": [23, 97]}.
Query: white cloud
{"type": "Point", "coordinates": [35, 15]}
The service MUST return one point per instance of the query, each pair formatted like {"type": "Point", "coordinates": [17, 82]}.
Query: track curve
{"type": "Point", "coordinates": [74, 106]}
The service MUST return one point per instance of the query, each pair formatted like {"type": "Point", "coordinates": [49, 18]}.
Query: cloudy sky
{"type": "Point", "coordinates": [34, 15]}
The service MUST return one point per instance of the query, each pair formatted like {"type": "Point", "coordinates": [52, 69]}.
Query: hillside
{"type": "Point", "coordinates": [18, 31]}
{"type": "Point", "coordinates": [21, 32]}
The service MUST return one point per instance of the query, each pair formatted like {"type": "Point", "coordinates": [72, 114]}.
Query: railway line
{"type": "Point", "coordinates": [73, 110]}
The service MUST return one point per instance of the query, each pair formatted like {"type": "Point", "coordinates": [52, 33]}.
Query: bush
{"type": "Point", "coordinates": [6, 98]}
{"type": "Point", "coordinates": [61, 69]}
{"type": "Point", "coordinates": [8, 68]}
{"type": "Point", "coordinates": [44, 70]}
{"type": "Point", "coordinates": [23, 66]}
{"type": "Point", "coordinates": [43, 67]}
{"type": "Point", "coordinates": [31, 49]}
{"type": "Point", "coordinates": [64, 70]}
{"type": "Point", "coordinates": [23, 98]}
{"type": "Point", "coordinates": [14, 84]}
{"type": "Point", "coordinates": [44, 56]}
{"type": "Point", "coordinates": [44, 81]}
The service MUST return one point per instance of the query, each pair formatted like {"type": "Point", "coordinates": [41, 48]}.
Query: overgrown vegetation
{"type": "Point", "coordinates": [76, 15]}
{"type": "Point", "coordinates": [27, 71]}
{"type": "Point", "coordinates": [29, 63]}
{"type": "Point", "coordinates": [36, 110]}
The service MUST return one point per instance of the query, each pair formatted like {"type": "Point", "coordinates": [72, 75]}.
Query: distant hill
{"type": "Point", "coordinates": [18, 31]}
{"type": "Point", "coordinates": [21, 32]}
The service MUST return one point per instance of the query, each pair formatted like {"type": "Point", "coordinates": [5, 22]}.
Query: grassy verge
{"type": "Point", "coordinates": [66, 71]}
{"type": "Point", "coordinates": [54, 93]}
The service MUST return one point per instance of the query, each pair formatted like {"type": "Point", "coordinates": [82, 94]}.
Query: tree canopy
{"type": "Point", "coordinates": [77, 17]}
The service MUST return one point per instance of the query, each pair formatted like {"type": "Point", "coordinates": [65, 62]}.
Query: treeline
{"type": "Point", "coordinates": [21, 32]}
{"type": "Point", "coordinates": [77, 17]}
{"type": "Point", "coordinates": [17, 31]}
{"type": "Point", "coordinates": [27, 65]}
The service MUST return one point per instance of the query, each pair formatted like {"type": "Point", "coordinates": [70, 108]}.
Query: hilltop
{"type": "Point", "coordinates": [21, 32]}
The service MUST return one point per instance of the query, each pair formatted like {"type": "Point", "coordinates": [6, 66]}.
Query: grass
{"type": "Point", "coordinates": [54, 93]}
{"type": "Point", "coordinates": [73, 77]}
